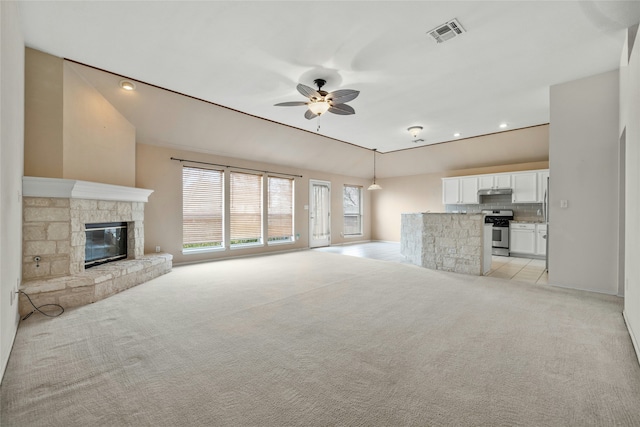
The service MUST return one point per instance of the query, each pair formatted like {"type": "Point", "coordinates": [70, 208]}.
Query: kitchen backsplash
{"type": "Point", "coordinates": [521, 211]}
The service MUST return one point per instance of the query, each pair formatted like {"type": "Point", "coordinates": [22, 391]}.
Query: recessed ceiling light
{"type": "Point", "coordinates": [503, 125]}
{"type": "Point", "coordinates": [457, 134]}
{"type": "Point", "coordinates": [127, 85]}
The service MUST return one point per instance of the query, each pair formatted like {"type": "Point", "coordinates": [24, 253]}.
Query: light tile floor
{"type": "Point", "coordinates": [512, 268]}
{"type": "Point", "coordinates": [519, 269]}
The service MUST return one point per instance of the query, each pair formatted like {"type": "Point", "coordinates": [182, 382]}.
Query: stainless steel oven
{"type": "Point", "coordinates": [500, 221]}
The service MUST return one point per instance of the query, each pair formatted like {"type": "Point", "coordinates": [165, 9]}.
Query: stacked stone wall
{"type": "Point", "coordinates": [54, 230]}
{"type": "Point", "coordinates": [46, 234]}
{"type": "Point", "coordinates": [441, 241]}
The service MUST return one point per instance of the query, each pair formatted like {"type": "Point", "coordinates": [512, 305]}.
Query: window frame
{"type": "Point", "coordinates": [260, 198]}
{"type": "Point", "coordinates": [291, 238]}
{"type": "Point", "coordinates": [359, 215]}
{"type": "Point", "coordinates": [223, 194]}
{"type": "Point", "coordinates": [211, 248]}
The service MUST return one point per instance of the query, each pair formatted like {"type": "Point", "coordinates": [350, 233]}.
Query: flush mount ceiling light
{"type": "Point", "coordinates": [457, 134]}
{"type": "Point", "coordinates": [503, 125]}
{"type": "Point", "coordinates": [374, 186]}
{"type": "Point", "coordinates": [127, 85]}
{"type": "Point", "coordinates": [415, 131]}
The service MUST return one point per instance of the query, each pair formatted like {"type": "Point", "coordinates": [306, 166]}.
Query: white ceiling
{"type": "Point", "coordinates": [249, 56]}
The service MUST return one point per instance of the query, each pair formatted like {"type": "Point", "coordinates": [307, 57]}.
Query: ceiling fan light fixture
{"type": "Point", "coordinates": [320, 101]}
{"type": "Point", "coordinates": [414, 131]}
{"type": "Point", "coordinates": [319, 107]}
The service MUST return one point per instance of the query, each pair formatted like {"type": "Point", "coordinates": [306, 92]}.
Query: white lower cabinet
{"type": "Point", "coordinates": [541, 239]}
{"type": "Point", "coordinates": [522, 238]}
{"type": "Point", "coordinates": [528, 239]}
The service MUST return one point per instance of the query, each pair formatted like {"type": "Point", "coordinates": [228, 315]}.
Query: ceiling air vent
{"type": "Point", "coordinates": [447, 31]}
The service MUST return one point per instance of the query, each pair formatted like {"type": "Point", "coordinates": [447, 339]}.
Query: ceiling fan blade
{"type": "Point", "coordinates": [309, 115]}
{"type": "Point", "coordinates": [308, 92]}
{"type": "Point", "coordinates": [290, 104]}
{"type": "Point", "coordinates": [342, 109]}
{"type": "Point", "coordinates": [343, 95]}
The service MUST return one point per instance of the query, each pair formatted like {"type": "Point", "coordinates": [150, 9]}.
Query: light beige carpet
{"type": "Point", "coordinates": [318, 339]}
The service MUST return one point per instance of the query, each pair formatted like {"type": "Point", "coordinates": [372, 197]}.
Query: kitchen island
{"type": "Point", "coordinates": [459, 243]}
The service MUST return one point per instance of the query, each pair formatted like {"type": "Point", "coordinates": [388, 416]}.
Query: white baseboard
{"type": "Point", "coordinates": [15, 333]}
{"type": "Point", "coordinates": [632, 335]}
{"type": "Point", "coordinates": [355, 242]}
{"type": "Point", "coordinates": [185, 263]}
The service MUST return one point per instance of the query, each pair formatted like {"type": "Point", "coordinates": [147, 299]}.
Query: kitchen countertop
{"type": "Point", "coordinates": [527, 222]}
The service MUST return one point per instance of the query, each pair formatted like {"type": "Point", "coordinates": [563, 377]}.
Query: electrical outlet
{"type": "Point", "coordinates": [157, 248]}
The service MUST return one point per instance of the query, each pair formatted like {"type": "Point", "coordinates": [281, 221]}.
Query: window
{"type": "Point", "coordinates": [280, 210]}
{"type": "Point", "coordinates": [202, 213]}
{"type": "Point", "coordinates": [352, 201]}
{"type": "Point", "coordinates": [245, 214]}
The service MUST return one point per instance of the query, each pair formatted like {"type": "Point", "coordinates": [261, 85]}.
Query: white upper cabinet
{"type": "Point", "coordinates": [450, 191]}
{"type": "Point", "coordinates": [469, 190]}
{"type": "Point", "coordinates": [525, 187]}
{"type": "Point", "coordinates": [502, 180]}
{"type": "Point", "coordinates": [542, 184]}
{"type": "Point", "coordinates": [458, 191]}
{"type": "Point", "coordinates": [485, 181]}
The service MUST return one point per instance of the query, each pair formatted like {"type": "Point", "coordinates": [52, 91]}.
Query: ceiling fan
{"type": "Point", "coordinates": [321, 101]}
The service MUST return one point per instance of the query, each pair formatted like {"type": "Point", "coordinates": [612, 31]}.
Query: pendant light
{"type": "Point", "coordinates": [374, 186]}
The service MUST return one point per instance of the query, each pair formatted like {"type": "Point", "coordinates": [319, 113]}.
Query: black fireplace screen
{"type": "Point", "coordinates": [106, 242]}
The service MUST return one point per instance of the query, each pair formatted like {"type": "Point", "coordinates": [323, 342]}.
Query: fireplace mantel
{"type": "Point", "coordinates": [74, 189]}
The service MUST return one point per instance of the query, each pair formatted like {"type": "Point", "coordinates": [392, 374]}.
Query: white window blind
{"type": "Point", "coordinates": [202, 213]}
{"type": "Point", "coordinates": [352, 202]}
{"type": "Point", "coordinates": [280, 209]}
{"type": "Point", "coordinates": [245, 208]}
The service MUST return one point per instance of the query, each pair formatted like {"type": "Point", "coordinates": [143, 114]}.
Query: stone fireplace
{"type": "Point", "coordinates": [55, 215]}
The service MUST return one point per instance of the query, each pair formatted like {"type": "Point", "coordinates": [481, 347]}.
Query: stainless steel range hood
{"type": "Point", "coordinates": [494, 191]}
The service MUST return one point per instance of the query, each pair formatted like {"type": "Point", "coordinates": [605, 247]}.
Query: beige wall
{"type": "Point", "coordinates": [420, 193]}
{"type": "Point", "coordinates": [43, 143]}
{"type": "Point", "coordinates": [163, 213]}
{"type": "Point", "coordinates": [630, 123]}
{"type": "Point", "coordinates": [71, 131]}
{"type": "Point", "coordinates": [584, 169]}
{"type": "Point", "coordinates": [11, 170]}
{"type": "Point", "coordinates": [99, 143]}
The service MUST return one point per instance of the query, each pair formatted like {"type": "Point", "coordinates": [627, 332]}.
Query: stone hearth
{"type": "Point", "coordinates": [55, 212]}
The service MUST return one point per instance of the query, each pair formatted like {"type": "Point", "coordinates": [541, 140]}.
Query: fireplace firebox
{"type": "Point", "coordinates": [105, 242]}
